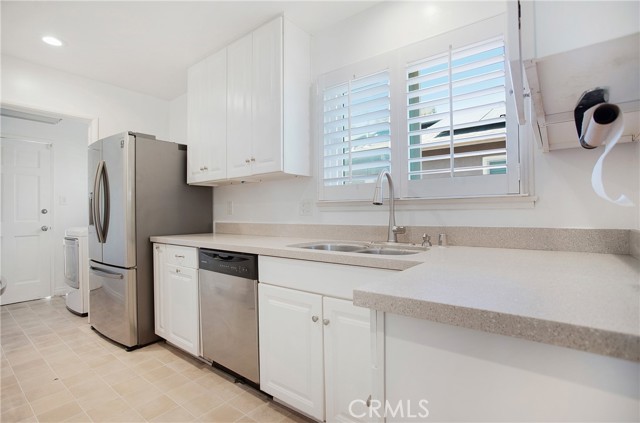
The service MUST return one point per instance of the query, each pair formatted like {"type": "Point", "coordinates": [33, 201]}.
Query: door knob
{"type": "Point", "coordinates": [44, 228]}
{"type": "Point", "coordinates": [314, 318]}
{"type": "Point", "coordinates": [44, 211]}
{"type": "Point", "coordinates": [325, 322]}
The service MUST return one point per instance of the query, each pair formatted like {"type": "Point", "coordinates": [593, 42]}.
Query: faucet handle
{"type": "Point", "coordinates": [399, 229]}
{"type": "Point", "coordinates": [426, 240]}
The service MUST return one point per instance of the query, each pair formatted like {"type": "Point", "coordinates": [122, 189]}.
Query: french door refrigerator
{"type": "Point", "coordinates": [137, 189]}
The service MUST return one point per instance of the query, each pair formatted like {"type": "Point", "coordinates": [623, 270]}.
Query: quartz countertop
{"type": "Point", "coordinates": [585, 301]}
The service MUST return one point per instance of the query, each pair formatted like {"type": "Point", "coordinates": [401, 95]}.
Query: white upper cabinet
{"type": "Point", "coordinates": [239, 100]}
{"type": "Point", "coordinates": [267, 85]}
{"type": "Point", "coordinates": [207, 119]}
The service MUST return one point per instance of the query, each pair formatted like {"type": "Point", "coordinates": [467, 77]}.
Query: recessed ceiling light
{"type": "Point", "coordinates": [52, 41]}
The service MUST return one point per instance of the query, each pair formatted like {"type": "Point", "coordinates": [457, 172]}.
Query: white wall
{"type": "Point", "coordinates": [69, 139]}
{"type": "Point", "coordinates": [178, 119]}
{"type": "Point", "coordinates": [37, 87]}
{"type": "Point", "coordinates": [562, 178]}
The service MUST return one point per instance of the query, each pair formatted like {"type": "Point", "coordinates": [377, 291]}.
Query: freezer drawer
{"type": "Point", "coordinates": [113, 302]}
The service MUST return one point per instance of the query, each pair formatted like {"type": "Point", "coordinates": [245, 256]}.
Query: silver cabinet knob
{"type": "Point", "coordinates": [314, 318]}
{"type": "Point", "coordinates": [44, 228]}
{"type": "Point", "coordinates": [325, 322]}
{"type": "Point", "coordinates": [177, 270]}
{"type": "Point", "coordinates": [44, 211]}
{"type": "Point", "coordinates": [369, 401]}
{"type": "Point", "coordinates": [253, 159]}
{"type": "Point", "coordinates": [205, 168]}
{"type": "Point", "coordinates": [247, 161]}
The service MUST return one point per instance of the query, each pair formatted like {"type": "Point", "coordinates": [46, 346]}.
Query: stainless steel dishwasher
{"type": "Point", "coordinates": [229, 311]}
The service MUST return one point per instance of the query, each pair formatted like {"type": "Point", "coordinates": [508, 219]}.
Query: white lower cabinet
{"type": "Point", "coordinates": [315, 353]}
{"type": "Point", "coordinates": [347, 360]}
{"type": "Point", "coordinates": [176, 296]}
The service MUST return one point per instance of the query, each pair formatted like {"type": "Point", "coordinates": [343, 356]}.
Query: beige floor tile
{"type": "Point", "coordinates": [60, 413]}
{"type": "Point", "coordinates": [201, 404]}
{"type": "Point", "coordinates": [222, 414]}
{"type": "Point", "coordinates": [158, 373]}
{"type": "Point", "coordinates": [7, 380]}
{"type": "Point", "coordinates": [12, 399]}
{"type": "Point", "coordinates": [157, 406]}
{"type": "Point", "coordinates": [184, 393]}
{"type": "Point", "coordinates": [128, 416]}
{"type": "Point", "coordinates": [178, 414]}
{"type": "Point", "coordinates": [51, 401]}
{"type": "Point", "coordinates": [245, 419]}
{"type": "Point", "coordinates": [105, 411]}
{"type": "Point", "coordinates": [97, 397]}
{"type": "Point", "coordinates": [147, 365]}
{"type": "Point", "coordinates": [226, 391]}
{"type": "Point", "coordinates": [79, 418]}
{"type": "Point", "coordinates": [43, 389]}
{"type": "Point", "coordinates": [132, 385]}
{"type": "Point", "coordinates": [269, 413]}
{"type": "Point", "coordinates": [248, 401]}
{"type": "Point", "coordinates": [16, 414]}
{"type": "Point", "coordinates": [119, 376]}
{"type": "Point", "coordinates": [171, 382]}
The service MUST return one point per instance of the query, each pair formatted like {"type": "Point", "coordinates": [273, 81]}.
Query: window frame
{"type": "Point", "coordinates": [395, 62]}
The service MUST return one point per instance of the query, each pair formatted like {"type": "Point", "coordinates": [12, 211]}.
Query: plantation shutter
{"type": "Point", "coordinates": [456, 113]}
{"type": "Point", "coordinates": [356, 130]}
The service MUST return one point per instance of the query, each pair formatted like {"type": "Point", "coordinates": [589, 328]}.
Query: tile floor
{"type": "Point", "coordinates": [55, 368]}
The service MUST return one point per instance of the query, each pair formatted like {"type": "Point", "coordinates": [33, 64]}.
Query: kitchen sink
{"type": "Point", "coordinates": [332, 246]}
{"type": "Point", "coordinates": [387, 251]}
{"type": "Point", "coordinates": [364, 248]}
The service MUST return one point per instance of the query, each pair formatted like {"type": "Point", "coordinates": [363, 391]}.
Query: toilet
{"type": "Point", "coordinates": [76, 270]}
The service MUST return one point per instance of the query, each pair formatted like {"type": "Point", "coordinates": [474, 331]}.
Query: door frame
{"type": "Point", "coordinates": [92, 135]}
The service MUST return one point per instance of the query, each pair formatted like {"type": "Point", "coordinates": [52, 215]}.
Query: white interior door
{"type": "Point", "coordinates": [26, 217]}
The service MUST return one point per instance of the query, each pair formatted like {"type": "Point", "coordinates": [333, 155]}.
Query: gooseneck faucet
{"type": "Point", "coordinates": [392, 234]}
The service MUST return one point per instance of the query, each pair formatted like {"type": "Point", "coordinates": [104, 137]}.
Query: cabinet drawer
{"type": "Point", "coordinates": [182, 256]}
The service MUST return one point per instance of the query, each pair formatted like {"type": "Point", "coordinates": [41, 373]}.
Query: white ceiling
{"type": "Point", "coordinates": [147, 46]}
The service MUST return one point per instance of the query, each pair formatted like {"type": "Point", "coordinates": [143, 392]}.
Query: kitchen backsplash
{"type": "Point", "coordinates": [607, 241]}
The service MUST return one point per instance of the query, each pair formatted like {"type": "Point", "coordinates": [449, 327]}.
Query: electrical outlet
{"type": "Point", "coordinates": [229, 208]}
{"type": "Point", "coordinates": [306, 208]}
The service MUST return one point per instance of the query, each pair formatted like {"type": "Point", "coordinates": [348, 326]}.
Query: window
{"type": "Point", "coordinates": [436, 114]}
{"type": "Point", "coordinates": [356, 130]}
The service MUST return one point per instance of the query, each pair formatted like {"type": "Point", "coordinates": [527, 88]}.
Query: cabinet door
{"type": "Point", "coordinates": [291, 365]}
{"type": "Point", "coordinates": [214, 153]}
{"type": "Point", "coordinates": [207, 119]}
{"type": "Point", "coordinates": [182, 300]}
{"type": "Point", "coordinates": [267, 98]}
{"type": "Point", "coordinates": [159, 294]}
{"type": "Point", "coordinates": [347, 358]}
{"type": "Point", "coordinates": [196, 120]}
{"type": "Point", "coordinates": [239, 121]}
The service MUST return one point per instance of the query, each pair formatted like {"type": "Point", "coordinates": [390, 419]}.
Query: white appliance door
{"type": "Point", "coordinates": [113, 303]}
{"type": "Point", "coordinates": [71, 274]}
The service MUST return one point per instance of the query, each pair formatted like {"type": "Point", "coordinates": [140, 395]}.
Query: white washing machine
{"type": "Point", "coordinates": [76, 270]}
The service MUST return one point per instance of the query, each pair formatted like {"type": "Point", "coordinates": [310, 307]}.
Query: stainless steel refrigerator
{"type": "Point", "coordinates": [137, 188]}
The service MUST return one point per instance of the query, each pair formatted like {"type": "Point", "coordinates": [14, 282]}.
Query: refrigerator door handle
{"type": "Point", "coordinates": [91, 209]}
{"type": "Point", "coordinates": [96, 201]}
{"type": "Point", "coordinates": [106, 274]}
{"type": "Point", "coordinates": [107, 202]}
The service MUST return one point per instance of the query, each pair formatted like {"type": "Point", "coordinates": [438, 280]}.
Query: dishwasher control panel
{"type": "Point", "coordinates": [234, 264]}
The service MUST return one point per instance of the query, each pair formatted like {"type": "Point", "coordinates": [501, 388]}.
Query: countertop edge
{"type": "Point", "coordinates": [593, 340]}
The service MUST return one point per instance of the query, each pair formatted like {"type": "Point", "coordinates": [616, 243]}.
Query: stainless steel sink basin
{"type": "Point", "coordinates": [363, 248]}
{"type": "Point", "coordinates": [387, 251]}
{"type": "Point", "coordinates": [333, 246]}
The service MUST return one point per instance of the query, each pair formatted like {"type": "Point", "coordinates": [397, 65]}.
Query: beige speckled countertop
{"type": "Point", "coordinates": [585, 301]}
